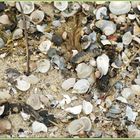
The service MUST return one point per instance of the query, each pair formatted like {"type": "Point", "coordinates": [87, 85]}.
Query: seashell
{"type": "Point", "coordinates": [2, 109]}
{"type": "Point", "coordinates": [5, 125]}
{"type": "Point", "coordinates": [105, 42]}
{"type": "Point", "coordinates": [22, 83]}
{"type": "Point", "coordinates": [85, 42]}
{"type": "Point", "coordinates": [69, 83]}
{"type": "Point", "coordinates": [119, 7]}
{"type": "Point", "coordinates": [108, 27]}
{"type": "Point", "coordinates": [115, 109]}
{"type": "Point", "coordinates": [1, 43]}
{"type": "Point", "coordinates": [82, 124]}
{"type": "Point", "coordinates": [131, 16]}
{"type": "Point", "coordinates": [92, 62]}
{"type": "Point", "coordinates": [4, 19]}
{"type": "Point", "coordinates": [41, 28]}
{"type": "Point", "coordinates": [127, 38]}
{"type": "Point", "coordinates": [18, 33]}
{"type": "Point", "coordinates": [37, 16]}
{"type": "Point", "coordinates": [61, 5]}
{"type": "Point", "coordinates": [45, 46]}
{"type": "Point", "coordinates": [103, 64]}
{"type": "Point", "coordinates": [93, 36]}
{"type": "Point", "coordinates": [131, 115]}
{"type": "Point", "coordinates": [27, 7]}
{"type": "Point", "coordinates": [25, 116]}
{"type": "Point", "coordinates": [126, 92]}
{"type": "Point", "coordinates": [101, 12]}
{"type": "Point", "coordinates": [43, 66]}
{"type": "Point", "coordinates": [34, 101]}
{"type": "Point", "coordinates": [83, 70]}
{"type": "Point", "coordinates": [81, 86]}
{"type": "Point", "coordinates": [121, 99]}
{"type": "Point", "coordinates": [39, 127]}
{"type": "Point", "coordinates": [136, 89]}
{"type": "Point", "coordinates": [74, 110]}
{"type": "Point", "coordinates": [87, 107]}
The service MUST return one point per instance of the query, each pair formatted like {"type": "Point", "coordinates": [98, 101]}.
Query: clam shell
{"type": "Point", "coordinates": [61, 5]}
{"type": "Point", "coordinates": [127, 38]}
{"type": "Point", "coordinates": [83, 70]}
{"type": "Point", "coordinates": [4, 19]}
{"type": "Point", "coordinates": [81, 86]}
{"type": "Point", "coordinates": [22, 83]}
{"type": "Point", "coordinates": [102, 11]}
{"type": "Point", "coordinates": [74, 110]}
{"type": "Point", "coordinates": [1, 43]}
{"type": "Point", "coordinates": [69, 83]}
{"type": "Point", "coordinates": [27, 7]}
{"type": "Point", "coordinates": [37, 16]}
{"type": "Point", "coordinates": [119, 7]}
{"type": "Point", "coordinates": [45, 46]}
{"type": "Point", "coordinates": [18, 33]}
{"type": "Point", "coordinates": [87, 107]}
{"type": "Point", "coordinates": [43, 66]}
{"type": "Point", "coordinates": [108, 27]}
{"type": "Point", "coordinates": [39, 127]}
{"type": "Point", "coordinates": [103, 64]}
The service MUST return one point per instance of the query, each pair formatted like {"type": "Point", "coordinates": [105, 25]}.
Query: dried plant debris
{"type": "Point", "coordinates": [70, 69]}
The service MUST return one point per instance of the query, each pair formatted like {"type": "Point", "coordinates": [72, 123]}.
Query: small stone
{"type": "Point", "coordinates": [57, 40]}
{"type": "Point", "coordinates": [39, 127]}
{"type": "Point", "coordinates": [127, 38]}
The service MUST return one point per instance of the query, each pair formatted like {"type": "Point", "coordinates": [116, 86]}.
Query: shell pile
{"type": "Point", "coordinates": [84, 62]}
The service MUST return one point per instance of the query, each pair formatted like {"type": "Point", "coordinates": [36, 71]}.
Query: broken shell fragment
{"type": "Point", "coordinates": [27, 7]}
{"type": "Point", "coordinates": [22, 83]}
{"type": "Point", "coordinates": [103, 64]}
{"type": "Point", "coordinates": [43, 66]}
{"type": "Point", "coordinates": [108, 27]}
{"type": "Point", "coordinates": [87, 107]}
{"type": "Point", "coordinates": [61, 5]}
{"type": "Point", "coordinates": [81, 86]}
{"type": "Point", "coordinates": [37, 16]}
{"type": "Point", "coordinates": [127, 38]}
{"type": "Point", "coordinates": [18, 33]}
{"type": "Point", "coordinates": [101, 12]}
{"type": "Point", "coordinates": [1, 43]}
{"type": "Point", "coordinates": [74, 110]}
{"type": "Point", "coordinates": [119, 7]}
{"type": "Point", "coordinates": [82, 124]}
{"type": "Point", "coordinates": [2, 109]}
{"type": "Point", "coordinates": [39, 127]}
{"type": "Point", "coordinates": [45, 46]}
{"type": "Point", "coordinates": [4, 19]}
{"type": "Point", "coordinates": [83, 70]}
{"type": "Point", "coordinates": [69, 83]}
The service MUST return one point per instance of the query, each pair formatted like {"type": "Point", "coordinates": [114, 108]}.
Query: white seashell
{"type": "Point", "coordinates": [67, 99]}
{"type": "Point", "coordinates": [37, 16]}
{"type": "Point", "coordinates": [43, 66]}
{"type": "Point", "coordinates": [39, 127]}
{"type": "Point", "coordinates": [61, 5]}
{"type": "Point", "coordinates": [119, 7]}
{"type": "Point", "coordinates": [103, 64]}
{"type": "Point", "coordinates": [18, 33]}
{"type": "Point", "coordinates": [74, 110]}
{"type": "Point", "coordinates": [83, 70]}
{"type": "Point", "coordinates": [108, 27]}
{"type": "Point", "coordinates": [125, 58]}
{"type": "Point", "coordinates": [126, 92]}
{"type": "Point", "coordinates": [81, 86]}
{"type": "Point", "coordinates": [4, 19]}
{"type": "Point", "coordinates": [102, 11]}
{"type": "Point", "coordinates": [25, 116]}
{"type": "Point", "coordinates": [82, 124]}
{"type": "Point", "coordinates": [121, 99]}
{"type": "Point", "coordinates": [136, 89]}
{"type": "Point", "coordinates": [34, 101]}
{"type": "Point", "coordinates": [22, 83]}
{"type": "Point", "coordinates": [2, 109]}
{"type": "Point", "coordinates": [75, 127]}
{"type": "Point", "coordinates": [127, 38]}
{"type": "Point", "coordinates": [131, 114]}
{"type": "Point", "coordinates": [41, 28]}
{"type": "Point", "coordinates": [74, 52]}
{"type": "Point", "coordinates": [27, 7]}
{"type": "Point", "coordinates": [87, 107]}
{"type": "Point", "coordinates": [1, 43]}
{"type": "Point", "coordinates": [69, 83]}
{"type": "Point", "coordinates": [106, 42]}
{"type": "Point", "coordinates": [45, 46]}
{"type": "Point", "coordinates": [131, 16]}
